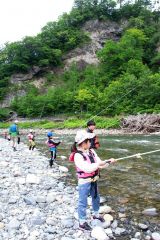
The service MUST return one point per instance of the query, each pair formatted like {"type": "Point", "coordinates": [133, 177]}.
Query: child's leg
{"type": "Point", "coordinates": [51, 160]}
{"type": "Point", "coordinates": [95, 198]}
{"type": "Point", "coordinates": [84, 190]}
{"type": "Point", "coordinates": [30, 145]}
{"type": "Point", "coordinates": [33, 145]}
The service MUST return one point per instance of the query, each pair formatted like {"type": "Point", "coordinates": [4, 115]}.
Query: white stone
{"type": "Point", "coordinates": [109, 232]}
{"type": "Point", "coordinates": [63, 157]}
{"type": "Point", "coordinates": [51, 197]}
{"type": "Point", "coordinates": [138, 235]}
{"type": "Point", "coordinates": [156, 236]}
{"type": "Point", "coordinates": [33, 179]}
{"type": "Point", "coordinates": [119, 231]}
{"type": "Point", "coordinates": [63, 169]}
{"type": "Point", "coordinates": [105, 209]}
{"type": "Point", "coordinates": [99, 233]}
{"type": "Point", "coordinates": [108, 218]}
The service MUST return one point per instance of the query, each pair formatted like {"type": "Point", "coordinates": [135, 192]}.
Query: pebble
{"type": "Point", "coordinates": [150, 212]}
{"type": "Point", "coordinates": [142, 226]}
{"type": "Point", "coordinates": [36, 204]}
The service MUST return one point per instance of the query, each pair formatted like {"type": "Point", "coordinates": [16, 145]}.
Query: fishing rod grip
{"type": "Point", "coordinates": [107, 161]}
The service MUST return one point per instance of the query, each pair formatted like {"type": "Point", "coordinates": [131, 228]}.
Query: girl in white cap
{"type": "Point", "coordinates": [87, 165]}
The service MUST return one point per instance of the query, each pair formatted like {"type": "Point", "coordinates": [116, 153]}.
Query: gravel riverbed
{"type": "Point", "coordinates": [35, 203]}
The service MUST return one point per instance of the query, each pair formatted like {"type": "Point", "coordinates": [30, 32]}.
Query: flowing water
{"type": "Point", "coordinates": [131, 184]}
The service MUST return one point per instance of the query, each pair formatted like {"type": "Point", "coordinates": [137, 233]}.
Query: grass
{"type": "Point", "coordinates": [70, 123]}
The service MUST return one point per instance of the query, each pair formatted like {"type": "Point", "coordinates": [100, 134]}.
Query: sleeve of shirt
{"type": "Point", "coordinates": [84, 165]}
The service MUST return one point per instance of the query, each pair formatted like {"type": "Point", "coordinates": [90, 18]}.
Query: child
{"type": "Point", "coordinates": [31, 138]}
{"type": "Point", "coordinates": [53, 147]}
{"type": "Point", "coordinates": [87, 165]}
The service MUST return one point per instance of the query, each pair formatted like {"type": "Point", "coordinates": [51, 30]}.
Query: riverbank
{"type": "Point", "coordinates": [36, 203]}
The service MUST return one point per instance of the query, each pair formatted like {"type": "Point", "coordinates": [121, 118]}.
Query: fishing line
{"type": "Point", "coordinates": [138, 155]}
{"type": "Point", "coordinates": [117, 100]}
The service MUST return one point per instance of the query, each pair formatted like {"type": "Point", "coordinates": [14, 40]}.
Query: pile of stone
{"type": "Point", "coordinates": [36, 203]}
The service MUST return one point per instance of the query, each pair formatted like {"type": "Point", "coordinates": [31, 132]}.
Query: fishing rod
{"type": "Point", "coordinates": [138, 155]}
{"type": "Point", "coordinates": [117, 100]}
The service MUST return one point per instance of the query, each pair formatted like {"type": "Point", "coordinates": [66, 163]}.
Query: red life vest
{"type": "Point", "coordinates": [90, 158]}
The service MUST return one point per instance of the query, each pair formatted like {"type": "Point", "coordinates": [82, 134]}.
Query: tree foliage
{"type": "Point", "coordinates": [127, 80]}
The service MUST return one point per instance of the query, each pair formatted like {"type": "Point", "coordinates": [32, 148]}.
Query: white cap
{"type": "Point", "coordinates": [30, 130]}
{"type": "Point", "coordinates": [16, 121]}
{"type": "Point", "coordinates": [82, 135]}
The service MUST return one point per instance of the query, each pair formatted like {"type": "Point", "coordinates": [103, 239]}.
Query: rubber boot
{"type": "Point", "coordinates": [14, 149]}
{"type": "Point", "coordinates": [51, 163]}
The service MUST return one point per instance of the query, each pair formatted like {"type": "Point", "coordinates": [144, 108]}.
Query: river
{"type": "Point", "coordinates": [130, 185]}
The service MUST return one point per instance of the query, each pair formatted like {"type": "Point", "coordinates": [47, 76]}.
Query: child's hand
{"type": "Point", "coordinates": [111, 160]}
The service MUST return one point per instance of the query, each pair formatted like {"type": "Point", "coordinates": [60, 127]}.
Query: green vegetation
{"type": "Point", "coordinates": [101, 122]}
{"type": "Point", "coordinates": [127, 80]}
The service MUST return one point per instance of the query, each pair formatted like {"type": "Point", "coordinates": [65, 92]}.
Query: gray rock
{"type": "Point", "coordinates": [50, 230]}
{"type": "Point", "coordinates": [41, 199]}
{"type": "Point", "coordinates": [118, 231]}
{"type": "Point", "coordinates": [1, 217]}
{"type": "Point", "coordinates": [37, 220]}
{"type": "Point", "coordinates": [13, 224]}
{"type": "Point", "coordinates": [96, 222]}
{"type": "Point", "coordinates": [12, 200]}
{"type": "Point", "coordinates": [67, 223]}
{"type": "Point", "coordinates": [30, 200]}
{"type": "Point", "coordinates": [21, 217]}
{"type": "Point", "coordinates": [114, 224]}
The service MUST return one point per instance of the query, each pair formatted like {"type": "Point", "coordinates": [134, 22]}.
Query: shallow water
{"type": "Point", "coordinates": [132, 184]}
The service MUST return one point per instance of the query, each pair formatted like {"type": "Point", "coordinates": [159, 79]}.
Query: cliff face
{"type": "Point", "coordinates": [98, 32]}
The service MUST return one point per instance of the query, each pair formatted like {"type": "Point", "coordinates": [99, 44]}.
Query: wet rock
{"type": "Point", "coordinates": [142, 226]}
{"type": "Point", "coordinates": [99, 233]}
{"type": "Point", "coordinates": [150, 212]}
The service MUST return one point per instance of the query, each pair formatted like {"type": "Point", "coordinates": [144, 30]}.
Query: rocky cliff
{"type": "Point", "coordinates": [98, 32]}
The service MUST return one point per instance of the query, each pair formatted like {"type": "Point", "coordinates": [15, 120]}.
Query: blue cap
{"type": "Point", "coordinates": [50, 134]}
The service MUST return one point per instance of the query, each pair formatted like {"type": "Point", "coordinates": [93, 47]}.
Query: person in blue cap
{"type": "Point", "coordinates": [52, 146]}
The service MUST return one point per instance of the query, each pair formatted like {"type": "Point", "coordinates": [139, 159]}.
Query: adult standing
{"type": "Point", "coordinates": [14, 133]}
{"type": "Point", "coordinates": [91, 125]}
